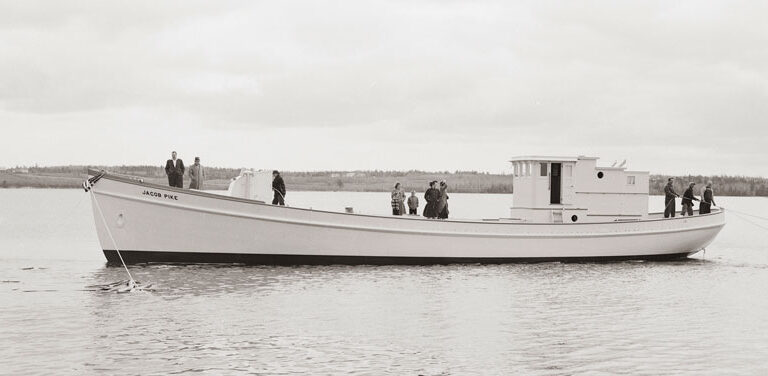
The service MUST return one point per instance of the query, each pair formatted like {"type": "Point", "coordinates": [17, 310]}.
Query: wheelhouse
{"type": "Point", "coordinates": [575, 189]}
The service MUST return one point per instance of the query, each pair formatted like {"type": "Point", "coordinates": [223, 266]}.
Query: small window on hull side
{"type": "Point", "coordinates": [630, 180]}
{"type": "Point", "coordinates": [543, 169]}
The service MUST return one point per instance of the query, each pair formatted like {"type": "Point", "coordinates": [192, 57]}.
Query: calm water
{"type": "Point", "coordinates": [703, 316]}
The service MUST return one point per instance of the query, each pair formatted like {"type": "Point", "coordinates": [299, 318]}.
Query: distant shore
{"type": "Point", "coordinates": [355, 181]}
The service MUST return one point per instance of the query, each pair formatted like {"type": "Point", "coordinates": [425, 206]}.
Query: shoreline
{"type": "Point", "coordinates": [71, 177]}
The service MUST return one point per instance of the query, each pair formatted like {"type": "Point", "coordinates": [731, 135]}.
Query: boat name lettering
{"type": "Point", "coordinates": [160, 195]}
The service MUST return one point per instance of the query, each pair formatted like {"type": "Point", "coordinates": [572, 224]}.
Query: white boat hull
{"type": "Point", "coordinates": [151, 223]}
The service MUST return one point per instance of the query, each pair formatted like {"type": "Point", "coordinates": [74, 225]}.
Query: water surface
{"type": "Point", "coordinates": [706, 315]}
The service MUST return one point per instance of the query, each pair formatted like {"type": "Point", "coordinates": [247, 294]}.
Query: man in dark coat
{"type": "Point", "coordinates": [707, 200]}
{"type": "Point", "coordinates": [278, 186]}
{"type": "Point", "coordinates": [669, 199]}
{"type": "Point", "coordinates": [687, 202]}
{"type": "Point", "coordinates": [174, 168]}
{"type": "Point", "coordinates": [431, 196]}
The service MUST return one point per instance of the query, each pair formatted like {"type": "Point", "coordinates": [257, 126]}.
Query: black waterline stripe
{"type": "Point", "coordinates": [139, 257]}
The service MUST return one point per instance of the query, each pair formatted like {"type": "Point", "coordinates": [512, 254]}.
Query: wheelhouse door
{"type": "Point", "coordinates": [555, 183]}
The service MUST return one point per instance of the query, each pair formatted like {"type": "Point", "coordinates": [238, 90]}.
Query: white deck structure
{"type": "Point", "coordinates": [576, 190]}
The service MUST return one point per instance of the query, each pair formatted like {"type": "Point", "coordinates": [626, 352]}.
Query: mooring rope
{"type": "Point", "coordinates": [750, 221]}
{"type": "Point", "coordinates": [747, 214]}
{"type": "Point", "coordinates": [131, 282]}
{"type": "Point", "coordinates": [741, 215]}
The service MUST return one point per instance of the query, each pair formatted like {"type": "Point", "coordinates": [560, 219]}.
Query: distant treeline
{"type": "Point", "coordinates": [370, 181]}
{"type": "Point", "coordinates": [141, 170]}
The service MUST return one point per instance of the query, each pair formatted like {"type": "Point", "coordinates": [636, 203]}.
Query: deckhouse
{"type": "Point", "coordinates": [576, 190]}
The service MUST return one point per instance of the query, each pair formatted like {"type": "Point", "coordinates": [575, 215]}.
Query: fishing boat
{"type": "Point", "coordinates": [563, 209]}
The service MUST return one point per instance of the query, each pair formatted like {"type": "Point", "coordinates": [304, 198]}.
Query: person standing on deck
{"type": "Point", "coordinates": [174, 168]}
{"type": "Point", "coordinates": [431, 196]}
{"type": "Point", "coordinates": [707, 199]}
{"type": "Point", "coordinates": [669, 199]}
{"type": "Point", "coordinates": [398, 199]}
{"type": "Point", "coordinates": [279, 187]}
{"type": "Point", "coordinates": [687, 202]}
{"type": "Point", "coordinates": [442, 202]}
{"type": "Point", "coordinates": [196, 175]}
{"type": "Point", "coordinates": [413, 204]}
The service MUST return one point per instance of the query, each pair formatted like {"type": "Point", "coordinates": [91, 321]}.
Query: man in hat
{"type": "Point", "coordinates": [196, 175]}
{"type": "Point", "coordinates": [669, 199]}
{"type": "Point", "coordinates": [278, 186]}
{"type": "Point", "coordinates": [174, 168]}
{"type": "Point", "coordinates": [687, 202]}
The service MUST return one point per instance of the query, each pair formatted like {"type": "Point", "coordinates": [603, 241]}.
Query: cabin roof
{"type": "Point", "coordinates": [541, 158]}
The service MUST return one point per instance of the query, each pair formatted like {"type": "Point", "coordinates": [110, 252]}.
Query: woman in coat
{"type": "Point", "coordinates": [431, 196]}
{"type": "Point", "coordinates": [398, 200]}
{"type": "Point", "coordinates": [442, 202]}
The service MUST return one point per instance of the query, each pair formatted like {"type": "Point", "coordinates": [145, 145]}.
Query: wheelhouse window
{"type": "Point", "coordinates": [543, 169]}
{"type": "Point", "coordinates": [630, 180]}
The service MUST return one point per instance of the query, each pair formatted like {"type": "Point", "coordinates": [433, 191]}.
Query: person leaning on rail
{"type": "Point", "coordinates": [707, 199]}
{"type": "Point", "coordinates": [669, 199]}
{"type": "Point", "coordinates": [687, 202]}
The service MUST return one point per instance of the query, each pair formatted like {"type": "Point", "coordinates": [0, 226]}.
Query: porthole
{"type": "Point", "coordinates": [574, 218]}
{"type": "Point", "coordinates": [600, 175]}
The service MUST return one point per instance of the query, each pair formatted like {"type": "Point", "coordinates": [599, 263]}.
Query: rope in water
{"type": "Point", "coordinates": [738, 213]}
{"type": "Point", "coordinates": [747, 214]}
{"type": "Point", "coordinates": [749, 221]}
{"type": "Point", "coordinates": [741, 215]}
{"type": "Point", "coordinates": [114, 243]}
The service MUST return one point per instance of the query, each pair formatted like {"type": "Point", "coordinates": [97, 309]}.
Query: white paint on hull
{"type": "Point", "coordinates": [209, 223]}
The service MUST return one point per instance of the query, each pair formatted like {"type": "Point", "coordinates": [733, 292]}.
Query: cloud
{"type": "Point", "coordinates": [605, 77]}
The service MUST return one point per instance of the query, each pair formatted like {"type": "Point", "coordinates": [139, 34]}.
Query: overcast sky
{"type": "Point", "coordinates": [673, 86]}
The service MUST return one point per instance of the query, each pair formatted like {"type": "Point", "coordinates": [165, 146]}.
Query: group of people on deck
{"type": "Point", "coordinates": [705, 203]}
{"type": "Point", "coordinates": [174, 168]}
{"type": "Point", "coordinates": [437, 201]}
